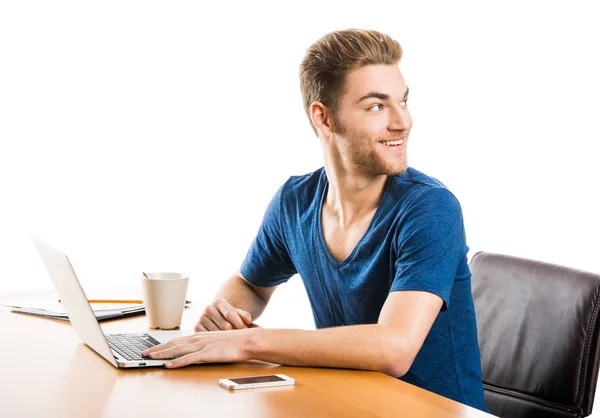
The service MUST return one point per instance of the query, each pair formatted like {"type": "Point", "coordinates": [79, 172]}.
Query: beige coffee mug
{"type": "Point", "coordinates": [164, 298]}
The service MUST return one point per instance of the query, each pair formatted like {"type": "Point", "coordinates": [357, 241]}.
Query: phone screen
{"type": "Point", "coordinates": [257, 379]}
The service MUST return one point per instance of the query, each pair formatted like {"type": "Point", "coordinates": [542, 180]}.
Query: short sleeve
{"type": "Point", "coordinates": [431, 245]}
{"type": "Point", "coordinates": [268, 262]}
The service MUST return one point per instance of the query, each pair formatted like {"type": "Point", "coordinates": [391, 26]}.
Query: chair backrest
{"type": "Point", "coordinates": [538, 335]}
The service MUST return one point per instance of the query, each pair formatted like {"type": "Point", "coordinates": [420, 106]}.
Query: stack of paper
{"type": "Point", "coordinates": [104, 306]}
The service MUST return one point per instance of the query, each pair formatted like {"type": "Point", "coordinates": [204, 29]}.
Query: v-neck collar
{"type": "Point", "coordinates": [324, 248]}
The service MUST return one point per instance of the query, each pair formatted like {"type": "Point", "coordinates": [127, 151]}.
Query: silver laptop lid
{"type": "Point", "coordinates": [74, 299]}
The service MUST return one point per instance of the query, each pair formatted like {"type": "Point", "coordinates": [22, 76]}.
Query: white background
{"type": "Point", "coordinates": [152, 135]}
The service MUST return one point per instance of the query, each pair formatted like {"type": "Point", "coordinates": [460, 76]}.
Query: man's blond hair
{"type": "Point", "coordinates": [327, 61]}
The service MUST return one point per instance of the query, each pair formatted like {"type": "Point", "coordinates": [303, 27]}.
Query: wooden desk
{"type": "Point", "coordinates": [48, 372]}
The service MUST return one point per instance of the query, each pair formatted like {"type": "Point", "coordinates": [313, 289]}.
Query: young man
{"type": "Point", "coordinates": [379, 246]}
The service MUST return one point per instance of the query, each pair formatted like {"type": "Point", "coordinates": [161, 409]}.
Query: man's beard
{"type": "Point", "coordinates": [362, 156]}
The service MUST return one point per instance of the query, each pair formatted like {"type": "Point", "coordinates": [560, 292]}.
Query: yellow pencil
{"type": "Point", "coordinates": [137, 302]}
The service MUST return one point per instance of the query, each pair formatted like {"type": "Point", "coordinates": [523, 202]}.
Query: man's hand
{"type": "Point", "coordinates": [390, 346]}
{"type": "Point", "coordinates": [204, 347]}
{"type": "Point", "coordinates": [221, 316]}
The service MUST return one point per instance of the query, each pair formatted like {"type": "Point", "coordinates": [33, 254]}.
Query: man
{"type": "Point", "coordinates": [379, 246]}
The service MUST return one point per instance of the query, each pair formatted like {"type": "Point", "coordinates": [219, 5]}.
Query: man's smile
{"type": "Point", "coordinates": [392, 143]}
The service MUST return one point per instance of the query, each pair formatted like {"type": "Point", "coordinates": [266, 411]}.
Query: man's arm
{"type": "Point", "coordinates": [267, 263]}
{"type": "Point", "coordinates": [243, 295]}
{"type": "Point", "coordinates": [389, 346]}
{"type": "Point", "coordinates": [236, 305]}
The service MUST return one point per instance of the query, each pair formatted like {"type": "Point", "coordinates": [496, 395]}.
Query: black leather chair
{"type": "Point", "coordinates": [538, 334]}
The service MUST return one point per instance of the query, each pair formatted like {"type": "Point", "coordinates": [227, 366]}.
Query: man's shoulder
{"type": "Point", "coordinates": [303, 185]}
{"type": "Point", "coordinates": [414, 187]}
{"type": "Point", "coordinates": [414, 178]}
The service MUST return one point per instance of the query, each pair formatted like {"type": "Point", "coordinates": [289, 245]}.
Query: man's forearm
{"type": "Point", "coordinates": [364, 347]}
{"type": "Point", "coordinates": [240, 295]}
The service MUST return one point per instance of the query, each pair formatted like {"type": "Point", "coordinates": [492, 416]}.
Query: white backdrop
{"type": "Point", "coordinates": [151, 135]}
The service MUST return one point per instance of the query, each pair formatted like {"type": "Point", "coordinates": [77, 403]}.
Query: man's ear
{"type": "Point", "coordinates": [321, 119]}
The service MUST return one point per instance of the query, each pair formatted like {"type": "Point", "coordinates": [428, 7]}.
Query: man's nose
{"type": "Point", "coordinates": [399, 119]}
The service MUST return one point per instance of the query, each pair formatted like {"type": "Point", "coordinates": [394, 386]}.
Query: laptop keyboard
{"type": "Point", "coordinates": [130, 346]}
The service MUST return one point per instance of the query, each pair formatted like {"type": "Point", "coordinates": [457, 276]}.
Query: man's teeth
{"type": "Point", "coordinates": [393, 142]}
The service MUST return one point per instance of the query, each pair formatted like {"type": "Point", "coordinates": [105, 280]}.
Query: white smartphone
{"type": "Point", "coordinates": [251, 382]}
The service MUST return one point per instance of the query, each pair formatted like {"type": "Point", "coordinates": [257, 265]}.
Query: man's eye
{"type": "Point", "coordinates": [377, 105]}
{"type": "Point", "coordinates": [404, 102]}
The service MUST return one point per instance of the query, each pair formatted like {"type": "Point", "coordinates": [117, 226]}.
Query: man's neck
{"type": "Point", "coordinates": [352, 196]}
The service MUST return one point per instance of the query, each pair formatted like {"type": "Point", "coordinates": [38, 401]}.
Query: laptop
{"type": "Point", "coordinates": [120, 350]}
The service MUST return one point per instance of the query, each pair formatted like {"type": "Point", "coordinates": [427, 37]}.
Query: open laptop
{"type": "Point", "coordinates": [120, 350]}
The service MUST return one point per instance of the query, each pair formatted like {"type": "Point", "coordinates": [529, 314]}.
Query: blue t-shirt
{"type": "Point", "coordinates": [416, 241]}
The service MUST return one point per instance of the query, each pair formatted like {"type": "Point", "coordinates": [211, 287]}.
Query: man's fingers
{"type": "Point", "coordinates": [184, 360]}
{"type": "Point", "coordinates": [246, 317]}
{"type": "Point", "coordinates": [187, 340]}
{"type": "Point", "coordinates": [214, 313]}
{"type": "Point", "coordinates": [208, 323]}
{"type": "Point", "coordinates": [176, 351]}
{"type": "Point", "coordinates": [229, 313]}
{"type": "Point", "coordinates": [220, 315]}
{"type": "Point", "coordinates": [200, 328]}
{"type": "Point", "coordinates": [159, 347]}
{"type": "Point", "coordinates": [235, 319]}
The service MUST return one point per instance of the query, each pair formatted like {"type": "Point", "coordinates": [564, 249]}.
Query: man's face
{"type": "Point", "coordinates": [373, 121]}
